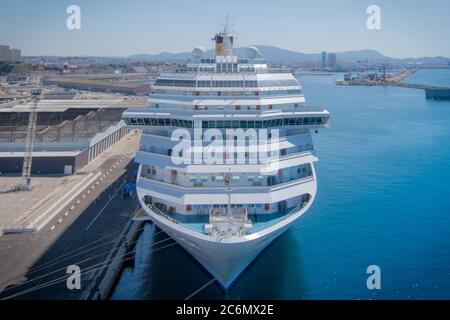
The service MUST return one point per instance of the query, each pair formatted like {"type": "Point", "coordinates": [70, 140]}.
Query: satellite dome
{"type": "Point", "coordinates": [252, 52]}
{"type": "Point", "coordinates": [198, 52]}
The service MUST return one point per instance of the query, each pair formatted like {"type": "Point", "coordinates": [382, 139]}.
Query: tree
{"type": "Point", "coordinates": [5, 68]}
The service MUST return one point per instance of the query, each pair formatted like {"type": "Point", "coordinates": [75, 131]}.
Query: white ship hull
{"type": "Point", "coordinates": [226, 156]}
{"type": "Point", "coordinates": [224, 259]}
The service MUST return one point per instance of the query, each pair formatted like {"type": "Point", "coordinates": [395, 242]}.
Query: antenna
{"type": "Point", "coordinates": [227, 24]}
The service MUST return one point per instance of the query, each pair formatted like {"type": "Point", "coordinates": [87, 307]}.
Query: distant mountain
{"type": "Point", "coordinates": [278, 55]}
{"type": "Point", "coordinates": [428, 60]}
{"type": "Point", "coordinates": [371, 55]}
{"type": "Point", "coordinates": [271, 54]}
{"type": "Point", "coordinates": [161, 56]}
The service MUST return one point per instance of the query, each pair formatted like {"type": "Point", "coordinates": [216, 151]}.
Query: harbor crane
{"type": "Point", "coordinates": [29, 143]}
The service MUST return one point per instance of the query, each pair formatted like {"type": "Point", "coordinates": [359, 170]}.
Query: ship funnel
{"type": "Point", "coordinates": [225, 41]}
{"type": "Point", "coordinates": [224, 44]}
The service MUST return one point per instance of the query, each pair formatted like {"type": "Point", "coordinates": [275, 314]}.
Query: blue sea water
{"type": "Point", "coordinates": [383, 199]}
{"type": "Point", "coordinates": [434, 77]}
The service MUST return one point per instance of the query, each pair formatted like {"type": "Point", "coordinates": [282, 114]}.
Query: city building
{"type": "Point", "coordinates": [15, 55]}
{"type": "Point", "coordinates": [4, 53]}
{"type": "Point", "coordinates": [9, 55]}
{"type": "Point", "coordinates": [332, 60]}
{"type": "Point", "coordinates": [324, 61]}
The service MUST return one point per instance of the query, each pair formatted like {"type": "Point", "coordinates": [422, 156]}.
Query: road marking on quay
{"type": "Point", "coordinates": [103, 209]}
{"type": "Point", "coordinates": [85, 195]}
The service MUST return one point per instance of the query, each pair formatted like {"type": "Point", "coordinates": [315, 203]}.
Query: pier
{"type": "Point", "coordinates": [431, 92]}
{"type": "Point", "coordinates": [92, 231]}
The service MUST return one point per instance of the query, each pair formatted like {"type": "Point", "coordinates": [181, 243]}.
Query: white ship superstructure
{"type": "Point", "coordinates": [225, 213]}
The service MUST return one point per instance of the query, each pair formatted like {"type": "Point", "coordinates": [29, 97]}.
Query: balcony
{"type": "Point", "coordinates": [219, 194]}
{"type": "Point", "coordinates": [221, 224]}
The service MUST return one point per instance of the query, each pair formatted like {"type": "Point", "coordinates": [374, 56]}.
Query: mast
{"type": "Point", "coordinates": [225, 40]}
{"type": "Point", "coordinates": [229, 193]}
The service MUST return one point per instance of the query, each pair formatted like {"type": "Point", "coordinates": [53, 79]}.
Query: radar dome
{"type": "Point", "coordinates": [198, 52]}
{"type": "Point", "coordinates": [252, 52]}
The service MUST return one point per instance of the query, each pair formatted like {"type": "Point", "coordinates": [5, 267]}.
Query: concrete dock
{"type": "Point", "coordinates": [87, 232]}
{"type": "Point", "coordinates": [431, 92]}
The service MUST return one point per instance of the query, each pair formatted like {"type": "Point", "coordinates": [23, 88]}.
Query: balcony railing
{"type": "Point", "coordinates": [218, 219]}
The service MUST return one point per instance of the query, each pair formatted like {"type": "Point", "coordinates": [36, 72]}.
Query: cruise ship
{"type": "Point", "coordinates": [226, 156]}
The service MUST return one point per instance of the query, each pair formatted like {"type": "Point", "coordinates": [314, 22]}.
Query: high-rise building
{"type": "Point", "coordinates": [4, 53]}
{"type": "Point", "coordinates": [332, 60]}
{"type": "Point", "coordinates": [15, 55]}
{"type": "Point", "coordinates": [324, 60]}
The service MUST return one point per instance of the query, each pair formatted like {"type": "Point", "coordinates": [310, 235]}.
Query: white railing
{"type": "Point", "coordinates": [162, 214]}
{"type": "Point", "coordinates": [221, 217]}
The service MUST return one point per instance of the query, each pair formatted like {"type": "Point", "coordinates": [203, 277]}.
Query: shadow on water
{"type": "Point", "coordinates": [171, 273]}
{"type": "Point", "coordinates": [82, 243]}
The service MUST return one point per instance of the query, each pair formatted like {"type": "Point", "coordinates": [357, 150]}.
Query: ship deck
{"type": "Point", "coordinates": [259, 221]}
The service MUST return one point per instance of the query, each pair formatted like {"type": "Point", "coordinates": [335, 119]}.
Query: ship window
{"type": "Point", "coordinates": [193, 179]}
{"type": "Point", "coordinates": [204, 179]}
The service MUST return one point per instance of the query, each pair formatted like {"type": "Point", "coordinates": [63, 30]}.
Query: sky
{"type": "Point", "coordinates": [409, 28]}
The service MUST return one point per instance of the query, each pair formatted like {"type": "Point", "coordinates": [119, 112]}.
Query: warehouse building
{"type": "Point", "coordinates": [69, 134]}
{"type": "Point", "coordinates": [127, 88]}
